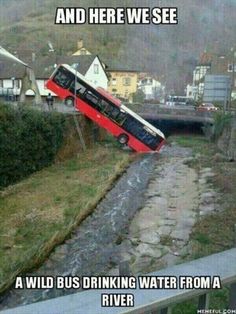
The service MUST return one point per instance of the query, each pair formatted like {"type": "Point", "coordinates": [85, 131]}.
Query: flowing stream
{"type": "Point", "coordinates": [145, 219]}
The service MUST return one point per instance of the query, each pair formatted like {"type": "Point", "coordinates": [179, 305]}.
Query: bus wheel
{"type": "Point", "coordinates": [123, 139]}
{"type": "Point", "coordinates": [69, 101]}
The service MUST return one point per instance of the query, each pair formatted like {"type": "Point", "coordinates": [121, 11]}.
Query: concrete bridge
{"type": "Point", "coordinates": [152, 112]}
{"type": "Point", "coordinates": [174, 114]}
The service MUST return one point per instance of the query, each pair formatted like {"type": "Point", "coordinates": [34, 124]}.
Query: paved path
{"type": "Point", "coordinates": [175, 198]}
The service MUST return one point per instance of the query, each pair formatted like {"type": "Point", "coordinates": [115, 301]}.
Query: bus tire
{"type": "Point", "coordinates": [69, 101]}
{"type": "Point", "coordinates": [123, 139]}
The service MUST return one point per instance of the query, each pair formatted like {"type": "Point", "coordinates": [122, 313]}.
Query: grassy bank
{"type": "Point", "coordinates": [40, 212]}
{"type": "Point", "coordinates": [215, 232]}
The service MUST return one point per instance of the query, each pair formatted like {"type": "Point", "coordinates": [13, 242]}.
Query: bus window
{"type": "Point", "coordinates": [103, 104]}
{"type": "Point", "coordinates": [92, 99]}
{"type": "Point", "coordinates": [80, 89]}
{"type": "Point", "coordinates": [111, 111]}
{"type": "Point", "coordinates": [63, 78]}
{"type": "Point", "coordinates": [121, 118]}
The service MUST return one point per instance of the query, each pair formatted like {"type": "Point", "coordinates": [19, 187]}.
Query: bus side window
{"type": "Point", "coordinates": [80, 89]}
{"type": "Point", "coordinates": [120, 119]}
{"type": "Point", "coordinates": [103, 105]}
{"type": "Point", "coordinates": [111, 111]}
{"type": "Point", "coordinates": [92, 99]}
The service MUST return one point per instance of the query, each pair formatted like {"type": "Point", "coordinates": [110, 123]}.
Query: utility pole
{"type": "Point", "coordinates": [233, 74]}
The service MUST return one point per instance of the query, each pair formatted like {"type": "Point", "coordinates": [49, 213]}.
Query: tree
{"type": "Point", "coordinates": [139, 96]}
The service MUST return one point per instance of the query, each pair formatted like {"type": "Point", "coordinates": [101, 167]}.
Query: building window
{"type": "Point", "coordinates": [1, 83]}
{"type": "Point", "coordinates": [96, 69]}
{"type": "Point", "coordinates": [114, 90]}
{"type": "Point", "coordinates": [15, 83]}
{"type": "Point", "coordinates": [230, 68]}
{"type": "Point", "coordinates": [126, 81]}
{"type": "Point", "coordinates": [113, 82]}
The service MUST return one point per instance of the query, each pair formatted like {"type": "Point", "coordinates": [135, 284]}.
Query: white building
{"type": "Point", "coordinates": [200, 72]}
{"type": "Point", "coordinates": [196, 90]}
{"type": "Point", "coordinates": [191, 92]}
{"type": "Point", "coordinates": [152, 88]}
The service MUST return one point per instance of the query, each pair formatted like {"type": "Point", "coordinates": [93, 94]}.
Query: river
{"type": "Point", "coordinates": [145, 219]}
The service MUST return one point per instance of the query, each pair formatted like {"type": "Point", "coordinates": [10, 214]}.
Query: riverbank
{"type": "Point", "coordinates": [40, 212]}
{"type": "Point", "coordinates": [94, 246]}
{"type": "Point", "coordinates": [165, 209]}
{"type": "Point", "coordinates": [214, 231]}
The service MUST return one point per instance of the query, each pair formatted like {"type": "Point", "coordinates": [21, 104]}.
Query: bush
{"type": "Point", "coordinates": [139, 96]}
{"type": "Point", "coordinates": [29, 141]}
{"type": "Point", "coordinates": [221, 121]}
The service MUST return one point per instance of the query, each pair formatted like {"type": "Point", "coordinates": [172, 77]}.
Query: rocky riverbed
{"type": "Point", "coordinates": [175, 198]}
{"type": "Point", "coordinates": [146, 220]}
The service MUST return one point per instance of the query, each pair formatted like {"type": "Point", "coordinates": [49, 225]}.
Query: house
{"type": "Point", "coordinates": [196, 89]}
{"type": "Point", "coordinates": [123, 82]}
{"type": "Point", "coordinates": [11, 73]}
{"type": "Point", "coordinates": [214, 64]}
{"type": "Point", "coordinates": [191, 92]}
{"type": "Point", "coordinates": [225, 64]}
{"type": "Point", "coordinates": [88, 65]}
{"type": "Point", "coordinates": [81, 50]}
{"type": "Point", "coordinates": [151, 87]}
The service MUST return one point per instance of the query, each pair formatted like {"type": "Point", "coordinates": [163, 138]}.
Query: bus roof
{"type": "Point", "coordinates": [105, 93]}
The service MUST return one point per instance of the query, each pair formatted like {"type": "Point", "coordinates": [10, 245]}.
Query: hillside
{"type": "Point", "coordinates": [170, 51]}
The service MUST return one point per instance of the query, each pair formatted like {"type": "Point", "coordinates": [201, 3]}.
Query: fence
{"type": "Point", "coordinates": [149, 301]}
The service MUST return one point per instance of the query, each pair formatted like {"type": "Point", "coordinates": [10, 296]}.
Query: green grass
{"type": "Point", "coordinates": [215, 232]}
{"type": "Point", "coordinates": [198, 143]}
{"type": "Point", "coordinates": [202, 238]}
{"type": "Point", "coordinates": [39, 212]}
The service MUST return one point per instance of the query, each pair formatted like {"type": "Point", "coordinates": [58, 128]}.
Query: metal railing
{"type": "Point", "coordinates": [150, 301]}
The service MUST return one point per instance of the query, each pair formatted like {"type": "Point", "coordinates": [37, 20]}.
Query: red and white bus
{"type": "Point", "coordinates": [105, 110]}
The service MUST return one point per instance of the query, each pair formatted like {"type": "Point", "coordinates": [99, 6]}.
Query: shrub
{"type": "Point", "coordinates": [29, 141]}
{"type": "Point", "coordinates": [221, 121]}
{"type": "Point", "coordinates": [139, 96]}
